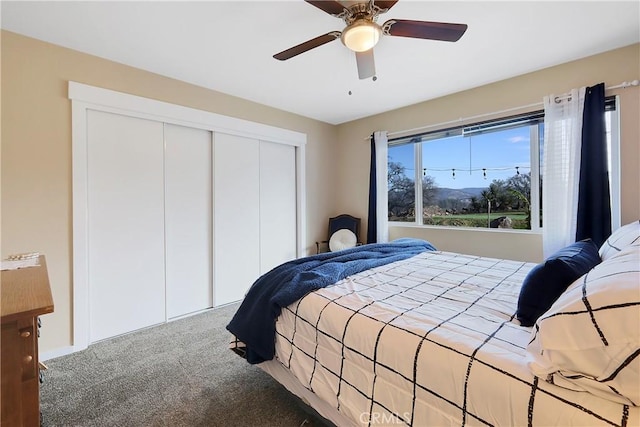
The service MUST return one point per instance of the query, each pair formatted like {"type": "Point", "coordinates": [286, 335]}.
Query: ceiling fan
{"type": "Point", "coordinates": [363, 32]}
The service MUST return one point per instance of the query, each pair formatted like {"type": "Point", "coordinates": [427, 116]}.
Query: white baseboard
{"type": "Point", "coordinates": [58, 352]}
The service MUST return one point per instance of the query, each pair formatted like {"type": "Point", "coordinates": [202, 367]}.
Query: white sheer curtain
{"type": "Point", "coordinates": [561, 169]}
{"type": "Point", "coordinates": [382, 206]}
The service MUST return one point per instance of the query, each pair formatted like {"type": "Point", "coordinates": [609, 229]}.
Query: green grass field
{"type": "Point", "coordinates": [518, 219]}
{"type": "Point", "coordinates": [514, 215]}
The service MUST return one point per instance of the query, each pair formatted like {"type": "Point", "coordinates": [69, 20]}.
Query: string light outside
{"type": "Point", "coordinates": [484, 170]}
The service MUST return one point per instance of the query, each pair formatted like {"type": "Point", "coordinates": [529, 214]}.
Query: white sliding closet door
{"type": "Point", "coordinates": [277, 204]}
{"type": "Point", "coordinates": [237, 216]}
{"type": "Point", "coordinates": [125, 224]}
{"type": "Point", "coordinates": [168, 219]}
{"type": "Point", "coordinates": [188, 219]}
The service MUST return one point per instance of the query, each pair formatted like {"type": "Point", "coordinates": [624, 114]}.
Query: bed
{"type": "Point", "coordinates": [432, 338]}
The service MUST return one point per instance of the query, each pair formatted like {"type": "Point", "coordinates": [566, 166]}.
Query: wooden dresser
{"type": "Point", "coordinates": [25, 295]}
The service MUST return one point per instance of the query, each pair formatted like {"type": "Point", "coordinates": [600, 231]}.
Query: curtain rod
{"type": "Point", "coordinates": [622, 85]}
{"type": "Point", "coordinates": [508, 110]}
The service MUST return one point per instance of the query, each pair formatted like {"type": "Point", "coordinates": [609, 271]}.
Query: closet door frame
{"type": "Point", "coordinates": [84, 98]}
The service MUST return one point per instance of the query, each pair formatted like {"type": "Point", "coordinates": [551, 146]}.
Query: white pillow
{"type": "Point", "coordinates": [342, 239]}
{"type": "Point", "coordinates": [589, 340]}
{"type": "Point", "coordinates": [620, 239]}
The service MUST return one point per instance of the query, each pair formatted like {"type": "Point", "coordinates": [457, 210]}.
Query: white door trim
{"type": "Point", "coordinates": [137, 106]}
{"type": "Point", "coordinates": [83, 98]}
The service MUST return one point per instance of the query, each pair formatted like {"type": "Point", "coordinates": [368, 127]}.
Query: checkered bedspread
{"type": "Point", "coordinates": [429, 341]}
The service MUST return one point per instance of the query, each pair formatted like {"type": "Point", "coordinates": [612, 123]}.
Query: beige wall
{"type": "Point", "coordinates": [36, 153]}
{"type": "Point", "coordinates": [611, 67]}
{"type": "Point", "coordinates": [36, 150]}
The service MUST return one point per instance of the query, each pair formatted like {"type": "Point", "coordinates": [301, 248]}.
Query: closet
{"type": "Point", "coordinates": [255, 199]}
{"type": "Point", "coordinates": [175, 210]}
{"type": "Point", "coordinates": [237, 220]}
{"type": "Point", "coordinates": [188, 218]}
{"type": "Point", "coordinates": [126, 224]}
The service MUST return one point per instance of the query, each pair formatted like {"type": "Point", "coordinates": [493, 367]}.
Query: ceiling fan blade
{"type": "Point", "coordinates": [424, 30]}
{"type": "Point", "coordinates": [385, 5]}
{"type": "Point", "coordinates": [308, 45]}
{"type": "Point", "coordinates": [366, 64]}
{"type": "Point", "coordinates": [331, 7]}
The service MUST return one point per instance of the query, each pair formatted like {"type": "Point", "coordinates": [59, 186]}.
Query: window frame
{"type": "Point", "coordinates": [535, 120]}
{"type": "Point", "coordinates": [612, 103]}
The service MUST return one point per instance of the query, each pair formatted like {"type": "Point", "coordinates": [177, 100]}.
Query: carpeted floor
{"type": "Point", "coordinates": [177, 374]}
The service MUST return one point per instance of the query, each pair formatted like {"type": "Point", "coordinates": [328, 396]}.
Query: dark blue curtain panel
{"type": "Point", "coordinates": [594, 207]}
{"type": "Point", "coordinates": [372, 220]}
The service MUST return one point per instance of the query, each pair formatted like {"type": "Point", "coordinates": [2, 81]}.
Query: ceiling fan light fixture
{"type": "Point", "coordinates": [361, 35]}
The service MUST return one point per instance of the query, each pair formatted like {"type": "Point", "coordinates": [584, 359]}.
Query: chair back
{"type": "Point", "coordinates": [344, 221]}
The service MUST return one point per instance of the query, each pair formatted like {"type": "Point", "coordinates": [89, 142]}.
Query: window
{"type": "Point", "coordinates": [481, 175]}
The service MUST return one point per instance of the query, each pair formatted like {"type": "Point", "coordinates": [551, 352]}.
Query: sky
{"type": "Point", "coordinates": [498, 152]}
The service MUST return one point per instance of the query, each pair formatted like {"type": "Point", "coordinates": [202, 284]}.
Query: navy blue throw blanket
{"type": "Point", "coordinates": [254, 322]}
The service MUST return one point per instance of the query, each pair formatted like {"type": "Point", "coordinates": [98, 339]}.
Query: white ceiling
{"type": "Point", "coordinates": [227, 46]}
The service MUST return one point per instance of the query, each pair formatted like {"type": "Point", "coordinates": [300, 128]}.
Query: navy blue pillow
{"type": "Point", "coordinates": [547, 281]}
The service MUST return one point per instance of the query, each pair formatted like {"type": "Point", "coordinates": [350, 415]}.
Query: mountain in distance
{"type": "Point", "coordinates": [459, 193]}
